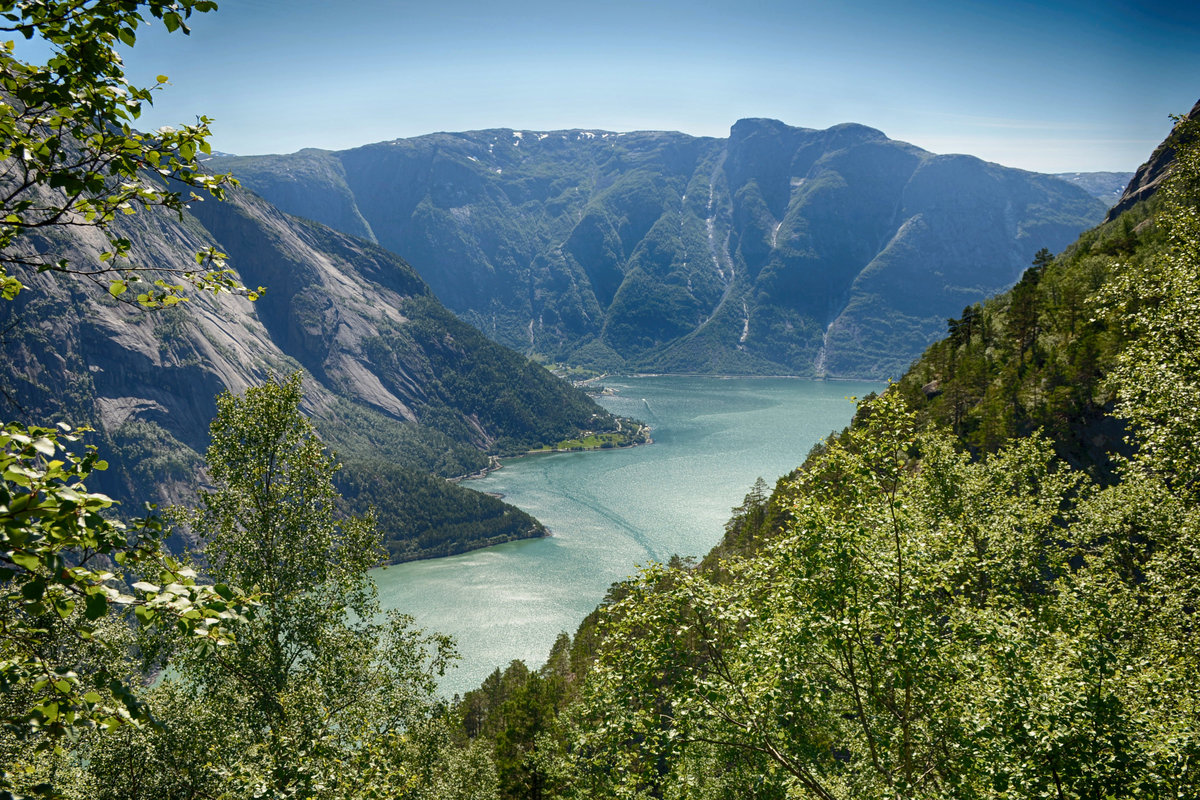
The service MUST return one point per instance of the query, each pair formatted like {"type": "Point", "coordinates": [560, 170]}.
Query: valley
{"type": "Point", "coordinates": [791, 463]}
{"type": "Point", "coordinates": [404, 392]}
{"type": "Point", "coordinates": [614, 510]}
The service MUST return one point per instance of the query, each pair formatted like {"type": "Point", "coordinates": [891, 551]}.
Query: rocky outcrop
{"type": "Point", "coordinates": [1149, 176]}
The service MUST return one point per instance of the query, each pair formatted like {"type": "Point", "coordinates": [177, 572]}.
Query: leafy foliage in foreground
{"type": "Point", "coordinates": [63, 565]}
{"type": "Point", "coordinates": [927, 626]}
{"type": "Point", "coordinates": [67, 612]}
{"type": "Point", "coordinates": [321, 695]}
{"type": "Point", "coordinates": [945, 601]}
{"type": "Point", "coordinates": [72, 156]}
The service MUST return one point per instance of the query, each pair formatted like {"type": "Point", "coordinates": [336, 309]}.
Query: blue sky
{"type": "Point", "coordinates": [1056, 87]}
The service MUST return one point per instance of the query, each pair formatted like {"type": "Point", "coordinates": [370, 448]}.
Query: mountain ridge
{"type": "Point", "coordinates": [1151, 174]}
{"type": "Point", "coordinates": [777, 249]}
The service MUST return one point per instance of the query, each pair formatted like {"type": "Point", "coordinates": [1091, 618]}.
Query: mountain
{"type": "Point", "coordinates": [1149, 176]}
{"type": "Point", "coordinates": [1106, 187]}
{"type": "Point", "coordinates": [405, 392]}
{"type": "Point", "coordinates": [778, 249]}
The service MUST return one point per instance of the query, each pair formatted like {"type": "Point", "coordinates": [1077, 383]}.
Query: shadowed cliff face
{"type": "Point", "coordinates": [394, 382]}
{"type": "Point", "coordinates": [779, 249]}
{"type": "Point", "coordinates": [1149, 176]}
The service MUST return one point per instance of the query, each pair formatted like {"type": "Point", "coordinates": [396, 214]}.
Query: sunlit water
{"type": "Point", "coordinates": [612, 510]}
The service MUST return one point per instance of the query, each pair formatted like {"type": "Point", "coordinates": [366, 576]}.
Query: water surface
{"type": "Point", "coordinates": [611, 511]}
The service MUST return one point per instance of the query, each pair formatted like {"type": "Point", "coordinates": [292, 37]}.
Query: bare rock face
{"type": "Point", "coordinates": [398, 385]}
{"type": "Point", "coordinates": [1149, 176]}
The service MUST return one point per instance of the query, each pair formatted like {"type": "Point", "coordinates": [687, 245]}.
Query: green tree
{"type": "Point", "coordinates": [749, 520]}
{"type": "Point", "coordinates": [1024, 313]}
{"type": "Point", "coordinates": [319, 696]}
{"type": "Point", "coordinates": [926, 627]}
{"type": "Point", "coordinates": [64, 571]}
{"type": "Point", "coordinates": [1042, 259]}
{"type": "Point", "coordinates": [1157, 306]}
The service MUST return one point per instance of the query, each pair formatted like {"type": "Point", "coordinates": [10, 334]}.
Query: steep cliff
{"type": "Point", "coordinates": [397, 385]}
{"type": "Point", "coordinates": [1150, 175]}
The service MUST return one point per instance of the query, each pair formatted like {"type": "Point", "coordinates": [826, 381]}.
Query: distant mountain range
{"type": "Point", "coordinates": [406, 393]}
{"type": "Point", "coordinates": [1104, 186]}
{"type": "Point", "coordinates": [834, 252]}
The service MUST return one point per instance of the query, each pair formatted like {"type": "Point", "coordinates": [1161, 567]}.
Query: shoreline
{"type": "Point", "coordinates": [493, 465]}
{"type": "Point", "coordinates": [824, 378]}
{"type": "Point", "coordinates": [726, 376]}
{"type": "Point", "coordinates": [497, 462]}
{"type": "Point", "coordinates": [584, 449]}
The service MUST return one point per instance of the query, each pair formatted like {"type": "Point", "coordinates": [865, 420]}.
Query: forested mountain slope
{"type": "Point", "coordinates": [1041, 357]}
{"type": "Point", "coordinates": [777, 250]}
{"type": "Point", "coordinates": [404, 391]}
{"type": "Point", "coordinates": [985, 587]}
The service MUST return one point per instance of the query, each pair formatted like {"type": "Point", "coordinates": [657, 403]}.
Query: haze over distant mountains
{"type": "Point", "coordinates": [1105, 186]}
{"type": "Point", "coordinates": [833, 252]}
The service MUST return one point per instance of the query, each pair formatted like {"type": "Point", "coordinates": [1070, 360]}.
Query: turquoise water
{"type": "Point", "coordinates": [611, 511]}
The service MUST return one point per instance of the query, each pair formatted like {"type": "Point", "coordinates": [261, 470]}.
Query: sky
{"type": "Point", "coordinates": [1051, 87]}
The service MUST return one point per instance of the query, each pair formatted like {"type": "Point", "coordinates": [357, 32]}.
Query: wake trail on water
{"type": "Point", "coordinates": [622, 525]}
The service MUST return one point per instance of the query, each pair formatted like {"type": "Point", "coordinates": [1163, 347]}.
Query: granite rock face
{"type": "Point", "coordinates": [778, 249]}
{"type": "Point", "coordinates": [393, 381]}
